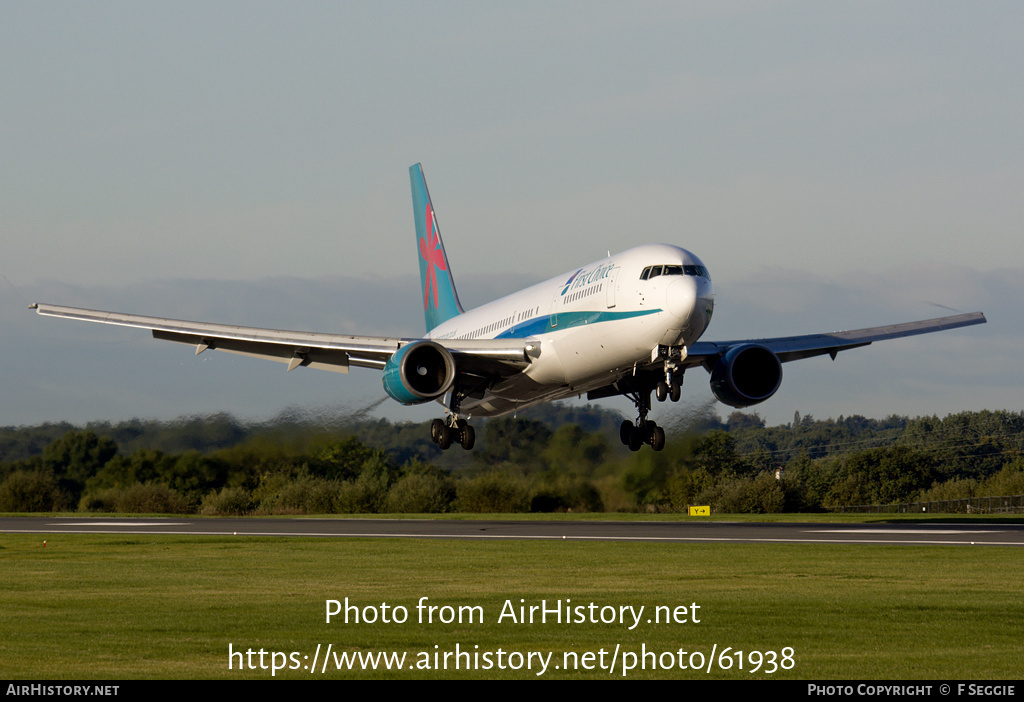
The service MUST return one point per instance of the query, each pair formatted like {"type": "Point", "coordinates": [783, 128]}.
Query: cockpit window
{"type": "Point", "coordinates": [655, 271]}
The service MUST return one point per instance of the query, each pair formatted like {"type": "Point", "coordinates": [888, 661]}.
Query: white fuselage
{"type": "Point", "coordinates": [591, 326]}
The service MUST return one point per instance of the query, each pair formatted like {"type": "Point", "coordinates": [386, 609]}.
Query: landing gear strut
{"type": "Point", "coordinates": [644, 430]}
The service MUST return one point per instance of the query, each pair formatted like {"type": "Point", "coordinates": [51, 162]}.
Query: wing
{"type": "Point", "coordinates": [335, 352]}
{"type": "Point", "coordinates": [793, 348]}
{"type": "Point", "coordinates": [785, 348]}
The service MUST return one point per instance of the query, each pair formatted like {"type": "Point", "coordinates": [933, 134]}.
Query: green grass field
{"type": "Point", "coordinates": [117, 607]}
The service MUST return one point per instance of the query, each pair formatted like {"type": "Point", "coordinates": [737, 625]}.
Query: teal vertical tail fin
{"type": "Point", "coordinates": [440, 301]}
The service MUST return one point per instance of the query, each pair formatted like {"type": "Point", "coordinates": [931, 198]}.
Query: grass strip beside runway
{"type": "Point", "coordinates": [117, 607]}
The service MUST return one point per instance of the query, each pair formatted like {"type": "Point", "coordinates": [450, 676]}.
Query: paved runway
{"type": "Point", "coordinates": [933, 533]}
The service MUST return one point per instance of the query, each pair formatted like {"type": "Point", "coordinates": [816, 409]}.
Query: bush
{"type": "Point", "coordinates": [683, 487]}
{"type": "Point", "coordinates": [149, 498]}
{"type": "Point", "coordinates": [30, 491]}
{"type": "Point", "coordinates": [325, 497]}
{"type": "Point", "coordinates": [421, 493]}
{"type": "Point", "coordinates": [954, 489]}
{"type": "Point", "coordinates": [364, 495]}
{"type": "Point", "coordinates": [568, 494]}
{"type": "Point", "coordinates": [765, 495]}
{"type": "Point", "coordinates": [741, 495]}
{"type": "Point", "coordinates": [99, 501]}
{"type": "Point", "coordinates": [303, 495]}
{"type": "Point", "coordinates": [493, 492]}
{"type": "Point", "coordinates": [1008, 481]}
{"type": "Point", "coordinates": [234, 501]}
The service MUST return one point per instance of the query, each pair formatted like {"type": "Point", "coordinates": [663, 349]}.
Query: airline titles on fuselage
{"type": "Point", "coordinates": [582, 278]}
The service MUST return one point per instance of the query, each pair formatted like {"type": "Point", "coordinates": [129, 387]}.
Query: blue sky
{"type": "Point", "coordinates": [835, 165]}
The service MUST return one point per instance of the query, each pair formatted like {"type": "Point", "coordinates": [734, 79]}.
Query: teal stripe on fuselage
{"type": "Point", "coordinates": [566, 320]}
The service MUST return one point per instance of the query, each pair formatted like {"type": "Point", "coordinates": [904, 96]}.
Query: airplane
{"type": "Point", "coordinates": [629, 324]}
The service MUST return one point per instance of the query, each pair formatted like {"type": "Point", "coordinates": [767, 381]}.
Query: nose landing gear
{"type": "Point", "coordinates": [671, 386]}
{"type": "Point", "coordinates": [670, 389]}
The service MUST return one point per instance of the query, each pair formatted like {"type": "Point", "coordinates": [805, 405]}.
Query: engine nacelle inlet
{"type": "Point", "coordinates": [419, 372]}
{"type": "Point", "coordinates": [746, 375]}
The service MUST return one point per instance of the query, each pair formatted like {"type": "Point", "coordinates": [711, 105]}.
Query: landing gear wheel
{"type": "Point", "coordinates": [636, 439]}
{"type": "Point", "coordinates": [444, 437]}
{"type": "Point", "coordinates": [458, 432]}
{"type": "Point", "coordinates": [657, 438]}
{"type": "Point", "coordinates": [661, 391]}
{"type": "Point", "coordinates": [674, 391]}
{"type": "Point", "coordinates": [625, 430]}
{"type": "Point", "coordinates": [467, 437]}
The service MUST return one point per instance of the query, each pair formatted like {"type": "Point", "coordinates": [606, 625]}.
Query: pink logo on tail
{"type": "Point", "coordinates": [431, 252]}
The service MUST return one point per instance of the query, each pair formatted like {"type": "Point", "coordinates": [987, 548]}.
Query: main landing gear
{"type": "Point", "coordinates": [453, 429]}
{"type": "Point", "coordinates": [643, 430]}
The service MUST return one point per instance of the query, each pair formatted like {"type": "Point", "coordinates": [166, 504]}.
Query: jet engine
{"type": "Point", "coordinates": [419, 372]}
{"type": "Point", "coordinates": [745, 375]}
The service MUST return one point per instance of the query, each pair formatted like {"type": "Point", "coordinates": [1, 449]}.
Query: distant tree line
{"type": "Point", "coordinates": [555, 458]}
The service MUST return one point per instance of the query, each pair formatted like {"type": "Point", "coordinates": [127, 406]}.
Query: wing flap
{"type": "Point", "coordinates": [322, 358]}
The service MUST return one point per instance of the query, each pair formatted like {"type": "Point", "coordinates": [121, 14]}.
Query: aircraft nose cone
{"type": "Point", "coordinates": [681, 298]}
